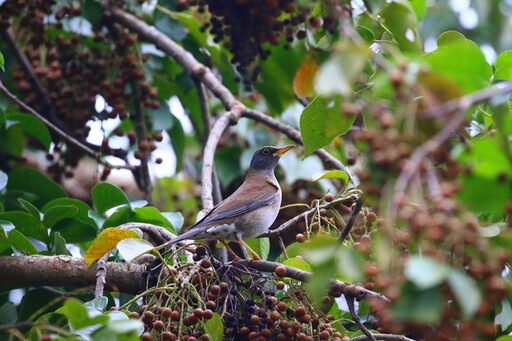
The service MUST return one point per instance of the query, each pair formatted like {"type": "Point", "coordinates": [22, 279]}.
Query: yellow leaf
{"type": "Point", "coordinates": [304, 80]}
{"type": "Point", "coordinates": [106, 241]}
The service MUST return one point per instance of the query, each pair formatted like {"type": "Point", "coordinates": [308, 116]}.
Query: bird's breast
{"type": "Point", "coordinates": [257, 222]}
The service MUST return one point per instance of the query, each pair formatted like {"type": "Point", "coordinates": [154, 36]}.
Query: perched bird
{"type": "Point", "coordinates": [249, 211]}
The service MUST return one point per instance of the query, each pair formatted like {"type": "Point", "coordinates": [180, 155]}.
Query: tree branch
{"type": "Point", "coordinates": [69, 271]}
{"type": "Point", "coordinates": [208, 78]}
{"type": "Point", "coordinates": [59, 131]}
{"type": "Point", "coordinates": [205, 116]}
{"type": "Point", "coordinates": [468, 100]}
{"type": "Point", "coordinates": [356, 291]}
{"type": "Point", "coordinates": [350, 303]}
{"type": "Point", "coordinates": [412, 165]}
{"type": "Point", "coordinates": [384, 337]}
{"type": "Point", "coordinates": [290, 223]}
{"type": "Point", "coordinates": [352, 219]}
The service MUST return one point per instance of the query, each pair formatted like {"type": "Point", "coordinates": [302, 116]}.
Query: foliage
{"type": "Point", "coordinates": [393, 89]}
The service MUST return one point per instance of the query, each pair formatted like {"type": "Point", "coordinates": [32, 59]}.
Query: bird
{"type": "Point", "coordinates": [249, 211]}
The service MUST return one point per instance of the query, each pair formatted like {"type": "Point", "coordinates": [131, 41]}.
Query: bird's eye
{"type": "Point", "coordinates": [265, 151]}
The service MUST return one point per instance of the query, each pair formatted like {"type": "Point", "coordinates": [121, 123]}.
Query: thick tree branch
{"type": "Point", "coordinates": [356, 291]}
{"type": "Point", "coordinates": [182, 56]}
{"type": "Point", "coordinates": [207, 77]}
{"type": "Point", "coordinates": [59, 131]}
{"type": "Point", "coordinates": [68, 271]}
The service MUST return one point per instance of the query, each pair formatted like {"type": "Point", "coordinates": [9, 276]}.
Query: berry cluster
{"type": "Point", "coordinates": [252, 305]}
{"type": "Point", "coordinates": [245, 26]}
{"type": "Point", "coordinates": [73, 72]}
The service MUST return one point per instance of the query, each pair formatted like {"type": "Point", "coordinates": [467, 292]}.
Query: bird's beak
{"type": "Point", "coordinates": [284, 150]}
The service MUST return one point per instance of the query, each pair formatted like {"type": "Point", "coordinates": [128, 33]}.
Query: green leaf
{"type": "Point", "coordinates": [105, 196]}
{"type": "Point", "coordinates": [400, 20]}
{"type": "Point", "coordinates": [214, 328]}
{"type": "Point", "coordinates": [419, 7]}
{"type": "Point", "coordinates": [261, 246]}
{"type": "Point", "coordinates": [58, 213]}
{"type": "Point", "coordinates": [26, 224]}
{"type": "Point", "coordinates": [152, 215]}
{"type": "Point", "coordinates": [425, 271]}
{"type": "Point", "coordinates": [320, 250]}
{"type": "Point", "coordinates": [471, 194]}
{"type": "Point", "coordinates": [176, 219]}
{"type": "Point", "coordinates": [3, 180]}
{"type": "Point", "coordinates": [2, 62]}
{"type": "Point", "coordinates": [20, 242]}
{"type": "Point", "coordinates": [329, 175]}
{"type": "Point", "coordinates": [503, 66]}
{"type": "Point", "coordinates": [60, 245]}
{"type": "Point", "coordinates": [350, 264]}
{"type": "Point", "coordinates": [8, 313]}
{"type": "Point", "coordinates": [466, 292]}
{"type": "Point", "coordinates": [30, 208]}
{"type": "Point", "coordinates": [171, 27]}
{"type": "Point", "coordinates": [32, 181]}
{"type": "Point", "coordinates": [82, 209]}
{"type": "Point", "coordinates": [461, 61]}
{"type": "Point", "coordinates": [91, 10]}
{"type": "Point", "coordinates": [322, 121]}
{"type": "Point", "coordinates": [106, 241]}
{"type": "Point", "coordinates": [177, 135]}
{"type": "Point", "coordinates": [132, 248]}
{"type": "Point", "coordinates": [77, 315]}
{"type": "Point", "coordinates": [504, 318]}
{"type": "Point", "coordinates": [30, 125]}
{"type": "Point", "coordinates": [298, 263]}
{"type": "Point", "coordinates": [417, 305]}
{"type": "Point", "coordinates": [227, 164]}
{"type": "Point", "coordinates": [99, 303]}
{"type": "Point", "coordinates": [337, 75]}
{"type": "Point", "coordinates": [504, 338]}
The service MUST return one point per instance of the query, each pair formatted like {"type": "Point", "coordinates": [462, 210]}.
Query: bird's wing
{"type": "Point", "coordinates": [240, 202]}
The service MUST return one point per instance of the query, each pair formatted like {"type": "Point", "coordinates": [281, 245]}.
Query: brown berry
{"type": "Point", "coordinates": [282, 306]}
{"type": "Point", "coordinates": [280, 271]}
{"type": "Point", "coordinates": [299, 237]}
{"type": "Point", "coordinates": [329, 197]}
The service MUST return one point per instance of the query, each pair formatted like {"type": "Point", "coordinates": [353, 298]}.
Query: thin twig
{"type": "Point", "coordinates": [101, 275]}
{"type": "Point", "coordinates": [59, 131]}
{"type": "Point", "coordinates": [384, 337]}
{"type": "Point", "coordinates": [284, 227]}
{"type": "Point", "coordinates": [351, 219]}
{"type": "Point", "coordinates": [350, 303]}
{"type": "Point", "coordinates": [412, 165]}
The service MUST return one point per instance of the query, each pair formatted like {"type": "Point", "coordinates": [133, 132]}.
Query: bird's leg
{"type": "Point", "coordinates": [254, 254]}
{"type": "Point", "coordinates": [235, 257]}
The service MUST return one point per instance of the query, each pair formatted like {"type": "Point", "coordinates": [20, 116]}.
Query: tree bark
{"type": "Point", "coordinates": [61, 271]}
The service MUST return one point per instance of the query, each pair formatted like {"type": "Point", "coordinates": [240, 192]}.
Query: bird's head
{"type": "Point", "coordinates": [266, 158]}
